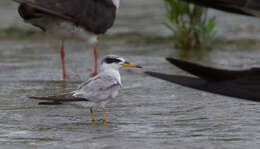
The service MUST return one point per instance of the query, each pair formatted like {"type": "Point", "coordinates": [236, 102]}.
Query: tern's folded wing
{"type": "Point", "coordinates": [98, 88]}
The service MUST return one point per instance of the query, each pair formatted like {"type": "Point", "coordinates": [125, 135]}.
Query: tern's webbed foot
{"type": "Point", "coordinates": [94, 121]}
{"type": "Point", "coordinates": [106, 121]}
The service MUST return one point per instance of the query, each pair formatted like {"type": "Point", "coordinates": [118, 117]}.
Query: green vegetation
{"type": "Point", "coordinates": [190, 25]}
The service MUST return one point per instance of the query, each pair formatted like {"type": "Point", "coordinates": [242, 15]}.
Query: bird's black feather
{"type": "Point", "coordinates": [243, 84]}
{"type": "Point", "coordinates": [233, 6]}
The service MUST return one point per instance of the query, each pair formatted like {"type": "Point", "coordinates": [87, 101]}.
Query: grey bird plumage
{"type": "Point", "coordinates": [96, 89]}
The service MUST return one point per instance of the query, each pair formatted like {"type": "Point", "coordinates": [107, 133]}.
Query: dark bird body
{"type": "Point", "coordinates": [65, 18]}
{"type": "Point", "coordinates": [95, 16]}
{"type": "Point", "coordinates": [244, 7]}
{"type": "Point", "coordinates": [243, 84]}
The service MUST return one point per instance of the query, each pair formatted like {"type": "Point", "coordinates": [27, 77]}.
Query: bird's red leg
{"type": "Point", "coordinates": [95, 50]}
{"type": "Point", "coordinates": [62, 54]}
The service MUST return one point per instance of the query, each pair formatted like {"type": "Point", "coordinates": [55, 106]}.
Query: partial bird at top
{"type": "Point", "coordinates": [244, 7]}
{"type": "Point", "coordinates": [64, 18]}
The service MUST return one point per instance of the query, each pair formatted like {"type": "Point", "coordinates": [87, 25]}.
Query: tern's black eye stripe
{"type": "Point", "coordinates": [112, 60]}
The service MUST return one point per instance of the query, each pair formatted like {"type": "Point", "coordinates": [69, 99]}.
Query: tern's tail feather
{"type": "Point", "coordinates": [207, 73]}
{"type": "Point", "coordinates": [60, 98]}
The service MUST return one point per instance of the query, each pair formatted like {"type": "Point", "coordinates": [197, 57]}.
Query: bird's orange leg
{"type": "Point", "coordinates": [104, 116]}
{"type": "Point", "coordinates": [62, 54]}
{"type": "Point", "coordinates": [92, 115]}
{"type": "Point", "coordinates": [95, 50]}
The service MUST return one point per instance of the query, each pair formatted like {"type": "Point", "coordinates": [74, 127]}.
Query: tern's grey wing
{"type": "Point", "coordinates": [94, 15]}
{"type": "Point", "coordinates": [98, 88]}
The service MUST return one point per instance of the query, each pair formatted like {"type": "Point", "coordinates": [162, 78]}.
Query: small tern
{"type": "Point", "coordinates": [97, 90]}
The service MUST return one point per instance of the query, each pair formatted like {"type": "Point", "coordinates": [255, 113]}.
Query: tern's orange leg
{"type": "Point", "coordinates": [104, 116]}
{"type": "Point", "coordinates": [92, 115]}
{"type": "Point", "coordinates": [95, 50]}
{"type": "Point", "coordinates": [62, 54]}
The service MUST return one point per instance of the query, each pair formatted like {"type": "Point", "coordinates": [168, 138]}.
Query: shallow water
{"type": "Point", "coordinates": [148, 113]}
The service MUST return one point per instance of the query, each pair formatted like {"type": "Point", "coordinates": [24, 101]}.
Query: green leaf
{"type": "Point", "coordinates": [189, 24]}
